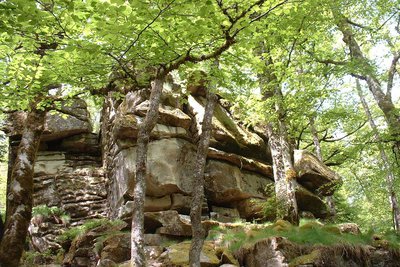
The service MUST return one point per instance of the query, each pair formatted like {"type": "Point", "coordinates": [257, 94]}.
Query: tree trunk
{"type": "Point", "coordinates": [281, 152]}
{"type": "Point", "coordinates": [318, 152]}
{"type": "Point", "coordinates": [21, 191]}
{"type": "Point", "coordinates": [390, 177]}
{"type": "Point", "coordinates": [198, 182]}
{"type": "Point", "coordinates": [1, 227]}
{"type": "Point", "coordinates": [384, 101]}
{"type": "Point", "coordinates": [139, 191]}
{"type": "Point", "coordinates": [284, 173]}
{"type": "Point", "coordinates": [284, 176]}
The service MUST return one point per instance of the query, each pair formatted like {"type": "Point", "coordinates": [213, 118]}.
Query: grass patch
{"type": "Point", "coordinates": [47, 211]}
{"type": "Point", "coordinates": [51, 212]}
{"type": "Point", "coordinates": [73, 232]}
{"type": "Point", "coordinates": [308, 233]}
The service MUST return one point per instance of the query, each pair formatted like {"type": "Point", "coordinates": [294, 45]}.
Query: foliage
{"type": "Point", "coordinates": [269, 206]}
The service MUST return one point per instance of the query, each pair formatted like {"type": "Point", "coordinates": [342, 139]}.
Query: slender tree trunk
{"type": "Point", "coordinates": [198, 182]}
{"type": "Point", "coordinates": [286, 151]}
{"type": "Point", "coordinates": [284, 173]}
{"type": "Point", "coordinates": [390, 177]}
{"type": "Point", "coordinates": [318, 152]}
{"type": "Point", "coordinates": [21, 191]}
{"type": "Point", "coordinates": [384, 101]}
{"type": "Point", "coordinates": [137, 232]}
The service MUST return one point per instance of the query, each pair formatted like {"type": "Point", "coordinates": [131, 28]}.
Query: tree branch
{"type": "Point", "coordinates": [259, 17]}
{"type": "Point", "coordinates": [161, 11]}
{"type": "Point", "coordinates": [334, 153]}
{"type": "Point", "coordinates": [330, 61]}
{"type": "Point", "coordinates": [392, 71]}
{"type": "Point", "coordinates": [229, 41]}
{"type": "Point", "coordinates": [357, 24]}
{"type": "Point", "coordinates": [346, 135]}
{"type": "Point", "coordinates": [48, 9]}
{"type": "Point", "coordinates": [124, 69]}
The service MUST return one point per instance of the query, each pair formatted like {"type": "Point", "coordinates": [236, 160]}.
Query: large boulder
{"type": "Point", "coordinates": [315, 175]}
{"type": "Point", "coordinates": [227, 134]}
{"type": "Point", "coordinates": [226, 183]}
{"type": "Point", "coordinates": [178, 255]}
{"type": "Point", "coordinates": [171, 223]}
{"type": "Point", "coordinates": [116, 248]}
{"type": "Point", "coordinates": [170, 164]}
{"type": "Point", "coordinates": [307, 201]}
{"type": "Point", "coordinates": [241, 162]}
{"type": "Point", "coordinates": [105, 241]}
{"type": "Point", "coordinates": [168, 223]}
{"type": "Point", "coordinates": [126, 126]}
{"type": "Point", "coordinates": [71, 118]}
{"type": "Point", "coordinates": [167, 115]}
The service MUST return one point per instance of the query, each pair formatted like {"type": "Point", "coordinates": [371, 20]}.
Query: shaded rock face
{"type": "Point", "coordinates": [67, 173]}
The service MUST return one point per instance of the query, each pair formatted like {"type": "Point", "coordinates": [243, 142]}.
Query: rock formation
{"type": "Point", "coordinates": [238, 168]}
{"type": "Point", "coordinates": [91, 179]}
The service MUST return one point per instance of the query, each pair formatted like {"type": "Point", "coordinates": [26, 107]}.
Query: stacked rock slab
{"type": "Point", "coordinates": [68, 172]}
{"type": "Point", "coordinates": [238, 168]}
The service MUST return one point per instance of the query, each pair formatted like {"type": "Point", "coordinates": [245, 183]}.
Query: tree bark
{"type": "Point", "coordinates": [390, 177]}
{"type": "Point", "coordinates": [137, 232]}
{"type": "Point", "coordinates": [21, 191]}
{"type": "Point", "coordinates": [318, 152]}
{"type": "Point", "coordinates": [198, 233]}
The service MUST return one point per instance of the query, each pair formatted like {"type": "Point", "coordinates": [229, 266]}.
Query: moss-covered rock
{"type": "Point", "coordinates": [178, 255]}
{"type": "Point", "coordinates": [306, 259]}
